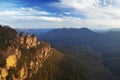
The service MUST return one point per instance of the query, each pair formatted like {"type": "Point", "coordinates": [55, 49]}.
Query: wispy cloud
{"type": "Point", "coordinates": [44, 18]}
{"type": "Point", "coordinates": [93, 8]}
{"type": "Point", "coordinates": [97, 12]}
{"type": "Point", "coordinates": [63, 13]}
{"type": "Point", "coordinates": [22, 12]}
{"type": "Point", "coordinates": [27, 14]}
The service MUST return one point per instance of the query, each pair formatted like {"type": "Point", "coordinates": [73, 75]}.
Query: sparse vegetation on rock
{"type": "Point", "coordinates": [21, 57]}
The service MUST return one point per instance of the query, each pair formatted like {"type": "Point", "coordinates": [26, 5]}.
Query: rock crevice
{"type": "Point", "coordinates": [22, 61]}
{"type": "Point", "coordinates": [27, 41]}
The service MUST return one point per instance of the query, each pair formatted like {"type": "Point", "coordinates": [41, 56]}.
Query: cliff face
{"type": "Point", "coordinates": [24, 58]}
{"type": "Point", "coordinates": [28, 41]}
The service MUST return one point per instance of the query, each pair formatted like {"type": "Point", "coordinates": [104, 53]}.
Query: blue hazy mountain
{"type": "Point", "coordinates": [76, 63]}
{"type": "Point", "coordinates": [71, 35]}
{"type": "Point", "coordinates": [115, 30]}
{"type": "Point", "coordinates": [33, 31]}
{"type": "Point", "coordinates": [74, 41]}
{"type": "Point", "coordinates": [93, 48]}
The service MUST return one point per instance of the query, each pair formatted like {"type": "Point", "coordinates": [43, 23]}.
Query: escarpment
{"type": "Point", "coordinates": [28, 41]}
{"type": "Point", "coordinates": [21, 56]}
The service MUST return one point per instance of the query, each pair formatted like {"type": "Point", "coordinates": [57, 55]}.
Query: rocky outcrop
{"type": "Point", "coordinates": [4, 73]}
{"type": "Point", "coordinates": [32, 60]}
{"type": "Point", "coordinates": [22, 60]}
{"type": "Point", "coordinates": [10, 58]}
{"type": "Point", "coordinates": [28, 41]}
{"type": "Point", "coordinates": [21, 38]}
{"type": "Point", "coordinates": [34, 40]}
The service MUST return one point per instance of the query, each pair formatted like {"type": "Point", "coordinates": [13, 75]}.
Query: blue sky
{"type": "Point", "coordinates": [94, 14]}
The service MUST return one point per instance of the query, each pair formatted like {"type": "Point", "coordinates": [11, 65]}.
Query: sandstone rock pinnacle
{"type": "Point", "coordinates": [28, 41]}
{"type": "Point", "coordinates": [21, 38]}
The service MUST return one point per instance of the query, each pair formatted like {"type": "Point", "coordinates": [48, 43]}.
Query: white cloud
{"type": "Point", "coordinates": [93, 8]}
{"type": "Point", "coordinates": [44, 18]}
{"type": "Point", "coordinates": [90, 23]}
{"type": "Point", "coordinates": [97, 12]}
{"type": "Point", "coordinates": [55, 22]}
{"type": "Point", "coordinates": [27, 14]}
{"type": "Point", "coordinates": [23, 12]}
{"type": "Point", "coordinates": [28, 17]}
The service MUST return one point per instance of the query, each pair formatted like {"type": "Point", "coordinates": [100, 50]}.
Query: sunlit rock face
{"type": "Point", "coordinates": [28, 41]}
{"type": "Point", "coordinates": [23, 73]}
{"type": "Point", "coordinates": [32, 60]}
{"type": "Point", "coordinates": [11, 61]}
{"type": "Point", "coordinates": [22, 60]}
{"type": "Point", "coordinates": [4, 73]}
{"type": "Point", "coordinates": [21, 38]}
{"type": "Point", "coordinates": [34, 40]}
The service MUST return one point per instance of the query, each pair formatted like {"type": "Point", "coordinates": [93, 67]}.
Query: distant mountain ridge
{"type": "Point", "coordinates": [26, 58]}
{"type": "Point", "coordinates": [92, 55]}
{"type": "Point", "coordinates": [74, 36]}
{"type": "Point", "coordinates": [115, 29]}
{"type": "Point", "coordinates": [107, 44]}
{"type": "Point", "coordinates": [81, 36]}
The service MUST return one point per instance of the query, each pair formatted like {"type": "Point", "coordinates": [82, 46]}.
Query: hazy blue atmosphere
{"type": "Point", "coordinates": [59, 39]}
{"type": "Point", "coordinates": [94, 14]}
